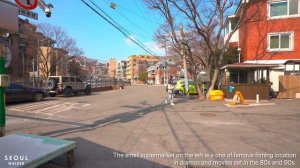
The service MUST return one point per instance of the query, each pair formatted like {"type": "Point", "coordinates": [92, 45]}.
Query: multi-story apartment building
{"type": "Point", "coordinates": [270, 36]}
{"type": "Point", "coordinates": [135, 60]}
{"type": "Point", "coordinates": [23, 47]}
{"type": "Point", "coordinates": [163, 71]}
{"type": "Point", "coordinates": [112, 68]}
{"type": "Point", "coordinates": [53, 61]}
{"type": "Point", "coordinates": [121, 70]}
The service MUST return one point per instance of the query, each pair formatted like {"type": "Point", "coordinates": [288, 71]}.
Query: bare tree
{"type": "Point", "coordinates": [207, 19]}
{"type": "Point", "coordinates": [47, 62]}
{"type": "Point", "coordinates": [169, 34]}
{"type": "Point", "coordinates": [61, 38]}
{"type": "Point", "coordinates": [74, 68]}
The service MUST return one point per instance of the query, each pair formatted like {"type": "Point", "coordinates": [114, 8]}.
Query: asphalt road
{"type": "Point", "coordinates": [108, 126]}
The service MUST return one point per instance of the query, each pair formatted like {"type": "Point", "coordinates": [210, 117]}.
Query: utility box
{"type": "Point", "coordinates": [4, 80]}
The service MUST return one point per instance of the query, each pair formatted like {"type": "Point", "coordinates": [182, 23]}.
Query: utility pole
{"type": "Point", "coordinates": [33, 72]}
{"type": "Point", "coordinates": [186, 83]}
{"type": "Point", "coordinates": [167, 67]}
{"type": "Point", "coordinates": [38, 62]}
{"type": "Point", "coordinates": [164, 68]}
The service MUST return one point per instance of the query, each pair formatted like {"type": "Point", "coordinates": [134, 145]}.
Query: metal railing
{"type": "Point", "coordinates": [102, 82]}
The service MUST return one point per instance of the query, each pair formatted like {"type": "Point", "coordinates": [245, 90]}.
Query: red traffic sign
{"type": "Point", "coordinates": [27, 4]}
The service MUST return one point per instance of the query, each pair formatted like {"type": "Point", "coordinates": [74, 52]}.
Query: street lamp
{"type": "Point", "coordinates": [239, 52]}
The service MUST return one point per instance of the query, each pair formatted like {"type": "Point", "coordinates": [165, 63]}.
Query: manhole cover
{"type": "Point", "coordinates": [82, 102]}
{"type": "Point", "coordinates": [208, 114]}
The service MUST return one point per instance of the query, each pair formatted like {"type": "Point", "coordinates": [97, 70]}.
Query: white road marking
{"type": "Point", "coordinates": [28, 106]}
{"type": "Point", "coordinates": [47, 108]}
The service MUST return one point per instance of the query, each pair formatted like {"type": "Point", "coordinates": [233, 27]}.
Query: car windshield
{"type": "Point", "coordinates": [191, 83]}
{"type": "Point", "coordinates": [53, 78]}
{"type": "Point", "coordinates": [15, 86]}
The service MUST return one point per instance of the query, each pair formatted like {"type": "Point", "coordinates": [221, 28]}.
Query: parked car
{"type": "Point", "coordinates": [17, 93]}
{"type": "Point", "coordinates": [67, 85]}
{"type": "Point", "coordinates": [180, 87]}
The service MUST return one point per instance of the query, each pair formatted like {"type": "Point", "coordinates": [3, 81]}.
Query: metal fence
{"type": "Point", "coordinates": [101, 82]}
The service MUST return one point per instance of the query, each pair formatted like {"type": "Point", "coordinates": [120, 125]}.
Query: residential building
{"type": "Point", "coordinates": [135, 60]}
{"type": "Point", "coordinates": [101, 69]}
{"type": "Point", "coordinates": [112, 68]}
{"type": "Point", "coordinates": [23, 48]}
{"type": "Point", "coordinates": [270, 36]}
{"type": "Point", "coordinates": [90, 68]}
{"type": "Point", "coordinates": [53, 61]}
{"type": "Point", "coordinates": [82, 60]}
{"type": "Point", "coordinates": [162, 71]}
{"type": "Point", "coordinates": [139, 69]}
{"type": "Point", "coordinates": [121, 70]}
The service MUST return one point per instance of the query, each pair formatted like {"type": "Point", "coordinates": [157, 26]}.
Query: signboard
{"type": "Point", "coordinates": [27, 4]}
{"type": "Point", "coordinates": [29, 14]}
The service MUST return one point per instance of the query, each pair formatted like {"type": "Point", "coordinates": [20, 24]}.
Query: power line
{"type": "Point", "coordinates": [118, 28]}
{"type": "Point", "coordinates": [128, 34]}
{"type": "Point", "coordinates": [106, 1]}
{"type": "Point", "coordinates": [109, 17]}
{"type": "Point", "coordinates": [124, 16]}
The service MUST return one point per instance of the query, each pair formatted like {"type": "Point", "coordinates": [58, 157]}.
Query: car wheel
{"type": "Point", "coordinates": [38, 97]}
{"type": "Point", "coordinates": [52, 84]}
{"type": "Point", "coordinates": [88, 90]}
{"type": "Point", "coordinates": [67, 92]}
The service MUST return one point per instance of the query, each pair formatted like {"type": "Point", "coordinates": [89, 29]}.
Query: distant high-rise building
{"type": "Point", "coordinates": [112, 67]}
{"type": "Point", "coordinates": [121, 69]}
{"type": "Point", "coordinates": [134, 62]}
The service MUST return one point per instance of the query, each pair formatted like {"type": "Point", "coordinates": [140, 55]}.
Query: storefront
{"type": "Point", "coordinates": [249, 79]}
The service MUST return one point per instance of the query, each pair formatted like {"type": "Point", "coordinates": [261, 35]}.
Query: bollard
{"type": "Point", "coordinates": [257, 98]}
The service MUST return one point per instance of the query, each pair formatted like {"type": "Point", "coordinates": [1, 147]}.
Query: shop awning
{"type": "Point", "coordinates": [249, 66]}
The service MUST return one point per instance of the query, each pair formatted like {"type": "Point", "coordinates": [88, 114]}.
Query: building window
{"type": "Point", "coordinates": [280, 41]}
{"type": "Point", "coordinates": [283, 8]}
{"type": "Point", "coordinates": [292, 68]}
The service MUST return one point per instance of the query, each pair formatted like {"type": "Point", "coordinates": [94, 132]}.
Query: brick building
{"type": "Point", "coordinates": [272, 36]}
{"type": "Point", "coordinates": [23, 47]}
{"type": "Point", "coordinates": [112, 68]}
{"type": "Point", "coordinates": [135, 60]}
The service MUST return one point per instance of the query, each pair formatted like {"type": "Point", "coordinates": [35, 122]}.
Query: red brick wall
{"type": "Point", "coordinates": [16, 63]}
{"type": "Point", "coordinates": [254, 35]}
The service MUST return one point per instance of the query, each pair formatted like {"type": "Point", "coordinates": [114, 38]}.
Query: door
{"type": "Point", "coordinates": [16, 93]}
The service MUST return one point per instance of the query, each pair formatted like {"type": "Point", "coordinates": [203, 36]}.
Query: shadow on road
{"type": "Point", "coordinates": [90, 154]}
{"type": "Point", "coordinates": [117, 118]}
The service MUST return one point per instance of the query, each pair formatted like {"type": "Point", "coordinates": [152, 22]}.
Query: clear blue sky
{"type": "Point", "coordinates": [98, 38]}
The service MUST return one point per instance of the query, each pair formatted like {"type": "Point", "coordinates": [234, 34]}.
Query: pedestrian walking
{"type": "Point", "coordinates": [170, 89]}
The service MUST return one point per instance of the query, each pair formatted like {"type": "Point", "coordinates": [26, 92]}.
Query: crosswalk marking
{"type": "Point", "coordinates": [47, 108]}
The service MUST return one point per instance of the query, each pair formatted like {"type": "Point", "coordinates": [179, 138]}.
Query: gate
{"type": "Point", "coordinates": [289, 86]}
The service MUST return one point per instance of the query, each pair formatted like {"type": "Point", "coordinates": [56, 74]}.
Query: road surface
{"type": "Point", "coordinates": [134, 128]}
